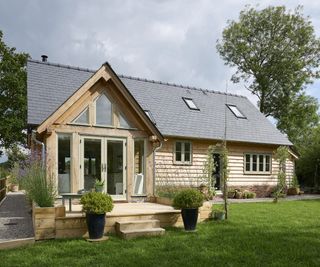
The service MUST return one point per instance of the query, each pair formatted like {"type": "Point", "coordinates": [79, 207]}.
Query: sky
{"type": "Point", "coordinates": [167, 40]}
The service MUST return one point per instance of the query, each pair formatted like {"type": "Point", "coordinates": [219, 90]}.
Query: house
{"type": "Point", "coordinates": [135, 133]}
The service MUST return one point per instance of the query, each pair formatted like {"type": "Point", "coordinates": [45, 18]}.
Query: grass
{"type": "Point", "coordinates": [256, 234]}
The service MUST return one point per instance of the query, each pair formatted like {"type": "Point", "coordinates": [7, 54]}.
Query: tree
{"type": "Point", "coordinates": [275, 52]}
{"type": "Point", "coordinates": [13, 95]}
{"type": "Point", "coordinates": [299, 118]}
{"type": "Point", "coordinates": [308, 165]}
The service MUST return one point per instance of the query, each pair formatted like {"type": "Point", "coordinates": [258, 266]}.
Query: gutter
{"type": "Point", "coordinates": [43, 148]}
{"type": "Point", "coordinates": [154, 166]}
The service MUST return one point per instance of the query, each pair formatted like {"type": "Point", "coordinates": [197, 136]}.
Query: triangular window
{"type": "Point", "coordinates": [83, 118]}
{"type": "Point", "coordinates": [123, 122]}
{"type": "Point", "coordinates": [103, 111]}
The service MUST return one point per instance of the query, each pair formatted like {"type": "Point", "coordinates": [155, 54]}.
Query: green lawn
{"type": "Point", "coordinates": [256, 234]}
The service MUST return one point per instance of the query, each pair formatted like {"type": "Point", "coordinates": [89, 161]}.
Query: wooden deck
{"type": "Point", "coordinates": [61, 224]}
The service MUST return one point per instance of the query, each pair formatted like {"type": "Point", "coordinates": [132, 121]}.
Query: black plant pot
{"type": "Point", "coordinates": [95, 224]}
{"type": "Point", "coordinates": [190, 218]}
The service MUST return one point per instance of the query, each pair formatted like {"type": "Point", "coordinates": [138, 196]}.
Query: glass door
{"type": "Point", "coordinates": [91, 162]}
{"type": "Point", "coordinates": [116, 168]}
{"type": "Point", "coordinates": [103, 159]}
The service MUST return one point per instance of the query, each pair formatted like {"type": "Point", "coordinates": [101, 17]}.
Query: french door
{"type": "Point", "coordinates": [103, 159]}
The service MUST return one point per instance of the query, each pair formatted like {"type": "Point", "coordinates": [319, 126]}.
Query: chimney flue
{"type": "Point", "coordinates": [44, 58]}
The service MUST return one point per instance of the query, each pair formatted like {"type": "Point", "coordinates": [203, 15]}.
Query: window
{"type": "Point", "coordinates": [183, 152]}
{"type": "Point", "coordinates": [234, 109]}
{"type": "Point", "coordinates": [64, 163]}
{"type": "Point", "coordinates": [149, 114]}
{"type": "Point", "coordinates": [83, 118]}
{"type": "Point", "coordinates": [139, 167]}
{"type": "Point", "coordinates": [103, 111]}
{"type": "Point", "coordinates": [123, 122]}
{"type": "Point", "coordinates": [190, 103]}
{"type": "Point", "coordinates": [257, 163]}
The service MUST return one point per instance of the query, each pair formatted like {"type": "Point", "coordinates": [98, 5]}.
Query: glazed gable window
{"type": "Point", "coordinates": [183, 153]}
{"type": "Point", "coordinates": [257, 163]}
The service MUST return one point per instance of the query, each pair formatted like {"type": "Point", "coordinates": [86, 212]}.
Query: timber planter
{"type": "Point", "coordinates": [95, 205]}
{"type": "Point", "coordinates": [189, 201]}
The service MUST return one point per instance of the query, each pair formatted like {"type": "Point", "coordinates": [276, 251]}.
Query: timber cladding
{"type": "Point", "coordinates": [168, 173]}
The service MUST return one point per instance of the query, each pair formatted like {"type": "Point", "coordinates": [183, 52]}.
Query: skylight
{"type": "Point", "coordinates": [234, 109]}
{"type": "Point", "coordinates": [190, 103]}
{"type": "Point", "coordinates": [149, 114]}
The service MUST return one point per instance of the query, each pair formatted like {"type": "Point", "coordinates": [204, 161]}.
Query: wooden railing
{"type": "Point", "coordinates": [3, 188]}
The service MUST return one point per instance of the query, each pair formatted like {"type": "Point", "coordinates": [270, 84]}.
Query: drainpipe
{"type": "Point", "coordinates": [154, 166]}
{"type": "Point", "coordinates": [43, 148]}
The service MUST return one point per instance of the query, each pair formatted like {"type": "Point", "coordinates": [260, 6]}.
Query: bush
{"type": "Point", "coordinates": [188, 198]}
{"type": "Point", "coordinates": [39, 186]}
{"type": "Point", "coordinates": [248, 194]}
{"type": "Point", "coordinates": [96, 203]}
{"type": "Point", "coordinates": [169, 191]}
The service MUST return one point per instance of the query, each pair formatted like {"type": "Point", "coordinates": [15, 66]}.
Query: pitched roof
{"type": "Point", "coordinates": [49, 85]}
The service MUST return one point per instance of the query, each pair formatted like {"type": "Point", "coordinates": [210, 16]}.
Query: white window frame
{"type": "Point", "coordinates": [144, 165]}
{"type": "Point", "coordinates": [234, 109]}
{"type": "Point", "coordinates": [258, 163]}
{"type": "Point", "coordinates": [182, 162]}
{"type": "Point", "coordinates": [192, 105]}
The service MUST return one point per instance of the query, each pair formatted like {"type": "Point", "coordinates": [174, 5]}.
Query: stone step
{"type": "Point", "coordinates": [128, 234]}
{"type": "Point", "coordinates": [137, 225]}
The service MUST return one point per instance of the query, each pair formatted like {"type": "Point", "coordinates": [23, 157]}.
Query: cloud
{"type": "Point", "coordinates": [171, 41]}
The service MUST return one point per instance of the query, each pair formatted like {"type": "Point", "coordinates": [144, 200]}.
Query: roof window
{"type": "Point", "coordinates": [236, 112]}
{"type": "Point", "coordinates": [190, 103]}
{"type": "Point", "coordinates": [149, 114]}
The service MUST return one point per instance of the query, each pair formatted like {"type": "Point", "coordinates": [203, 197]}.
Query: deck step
{"type": "Point", "coordinates": [132, 229]}
{"type": "Point", "coordinates": [128, 234]}
{"type": "Point", "coordinates": [137, 225]}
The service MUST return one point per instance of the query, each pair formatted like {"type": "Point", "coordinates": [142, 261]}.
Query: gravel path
{"type": "Point", "coordinates": [15, 217]}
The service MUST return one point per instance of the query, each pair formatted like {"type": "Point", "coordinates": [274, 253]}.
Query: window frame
{"type": "Point", "coordinates": [95, 112]}
{"type": "Point", "coordinates": [182, 161]}
{"type": "Point", "coordinates": [144, 165]}
{"type": "Point", "coordinates": [73, 121]}
{"type": "Point", "coordinates": [258, 155]}
{"type": "Point", "coordinates": [235, 106]}
{"type": "Point", "coordinates": [185, 99]}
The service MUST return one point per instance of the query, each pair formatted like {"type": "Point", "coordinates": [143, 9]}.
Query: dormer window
{"type": "Point", "coordinates": [190, 103]}
{"type": "Point", "coordinates": [236, 112]}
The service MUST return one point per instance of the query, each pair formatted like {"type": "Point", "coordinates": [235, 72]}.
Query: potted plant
{"type": "Point", "coordinates": [294, 188]}
{"type": "Point", "coordinates": [95, 205]}
{"type": "Point", "coordinates": [189, 201]}
{"type": "Point", "coordinates": [218, 213]}
{"type": "Point", "coordinates": [98, 185]}
{"type": "Point", "coordinates": [231, 193]}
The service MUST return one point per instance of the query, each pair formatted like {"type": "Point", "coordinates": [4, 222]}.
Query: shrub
{"type": "Point", "coordinates": [169, 191]}
{"type": "Point", "coordinates": [96, 203]}
{"type": "Point", "coordinates": [248, 194]}
{"type": "Point", "coordinates": [294, 183]}
{"type": "Point", "coordinates": [40, 187]}
{"type": "Point", "coordinates": [188, 198]}
{"type": "Point", "coordinates": [14, 174]}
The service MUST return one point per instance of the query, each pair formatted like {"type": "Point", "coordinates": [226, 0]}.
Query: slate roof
{"type": "Point", "coordinates": [49, 85]}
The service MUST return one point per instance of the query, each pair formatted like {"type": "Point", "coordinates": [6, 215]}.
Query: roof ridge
{"type": "Point", "coordinates": [137, 78]}
{"type": "Point", "coordinates": [61, 65]}
{"type": "Point", "coordinates": [179, 85]}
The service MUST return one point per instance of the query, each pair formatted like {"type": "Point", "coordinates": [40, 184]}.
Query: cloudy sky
{"type": "Point", "coordinates": [172, 41]}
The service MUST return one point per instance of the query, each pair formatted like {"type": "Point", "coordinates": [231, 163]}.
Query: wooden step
{"type": "Point", "coordinates": [137, 225]}
{"type": "Point", "coordinates": [128, 234]}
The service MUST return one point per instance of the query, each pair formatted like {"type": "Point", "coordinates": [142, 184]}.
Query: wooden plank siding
{"type": "Point", "coordinates": [168, 173]}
